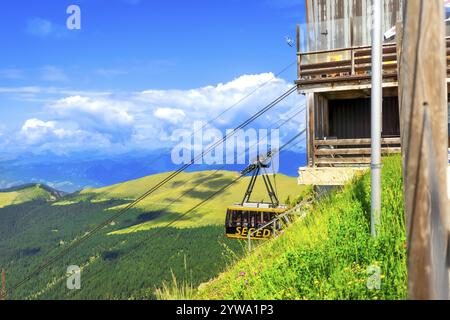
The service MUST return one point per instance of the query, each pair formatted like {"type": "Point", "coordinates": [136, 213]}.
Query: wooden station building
{"type": "Point", "coordinates": [334, 73]}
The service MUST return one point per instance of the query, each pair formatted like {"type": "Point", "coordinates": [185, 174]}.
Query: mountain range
{"type": "Point", "coordinates": [74, 172]}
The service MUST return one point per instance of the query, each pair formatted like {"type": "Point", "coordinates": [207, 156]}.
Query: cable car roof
{"type": "Point", "coordinates": [258, 207]}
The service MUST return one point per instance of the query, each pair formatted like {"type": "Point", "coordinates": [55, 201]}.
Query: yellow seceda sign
{"type": "Point", "coordinates": [244, 232]}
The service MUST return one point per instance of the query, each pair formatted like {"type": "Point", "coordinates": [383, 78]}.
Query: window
{"type": "Point", "coordinates": [245, 218]}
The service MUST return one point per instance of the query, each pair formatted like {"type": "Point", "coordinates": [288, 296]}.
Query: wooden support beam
{"type": "Point", "coordinates": [387, 49]}
{"type": "Point", "coordinates": [356, 79]}
{"type": "Point", "coordinates": [327, 117]}
{"type": "Point", "coordinates": [368, 60]}
{"type": "Point", "coordinates": [352, 43]}
{"type": "Point", "coordinates": [326, 65]}
{"type": "Point", "coordinates": [326, 72]}
{"type": "Point", "coordinates": [356, 142]}
{"type": "Point", "coordinates": [311, 100]}
{"type": "Point", "coordinates": [355, 151]}
{"type": "Point", "coordinates": [342, 161]}
{"type": "Point", "coordinates": [423, 104]}
{"type": "Point", "coordinates": [399, 33]}
{"type": "Point", "coordinates": [368, 67]}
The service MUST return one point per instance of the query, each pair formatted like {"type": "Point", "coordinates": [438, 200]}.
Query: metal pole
{"type": "Point", "coordinates": [377, 101]}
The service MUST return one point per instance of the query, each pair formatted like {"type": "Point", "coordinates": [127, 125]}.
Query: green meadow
{"type": "Point", "coordinates": [328, 255]}
{"type": "Point", "coordinates": [135, 255]}
{"type": "Point", "coordinates": [28, 194]}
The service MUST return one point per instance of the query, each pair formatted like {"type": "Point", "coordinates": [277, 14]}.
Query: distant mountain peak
{"type": "Point", "coordinates": [56, 194]}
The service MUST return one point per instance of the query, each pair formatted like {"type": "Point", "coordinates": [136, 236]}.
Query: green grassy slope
{"type": "Point", "coordinates": [33, 232]}
{"type": "Point", "coordinates": [26, 194]}
{"type": "Point", "coordinates": [327, 255]}
{"type": "Point", "coordinates": [212, 213]}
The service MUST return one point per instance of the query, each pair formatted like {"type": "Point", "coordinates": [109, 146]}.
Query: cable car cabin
{"type": "Point", "coordinates": [243, 220]}
{"type": "Point", "coordinates": [255, 218]}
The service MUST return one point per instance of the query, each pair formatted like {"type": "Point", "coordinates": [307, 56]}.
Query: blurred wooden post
{"type": "Point", "coordinates": [423, 103]}
{"type": "Point", "coordinates": [399, 36]}
{"type": "Point", "coordinates": [3, 291]}
{"type": "Point", "coordinates": [310, 135]}
{"type": "Point", "coordinates": [352, 44]}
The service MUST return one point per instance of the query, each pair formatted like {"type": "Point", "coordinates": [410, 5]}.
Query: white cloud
{"type": "Point", "coordinates": [58, 137]}
{"type": "Point", "coordinates": [170, 115]}
{"type": "Point", "coordinates": [216, 97]}
{"type": "Point", "coordinates": [245, 82]}
{"type": "Point", "coordinates": [34, 130]}
{"type": "Point", "coordinates": [110, 123]}
{"type": "Point", "coordinates": [241, 97]}
{"type": "Point", "coordinates": [109, 117]}
{"type": "Point", "coordinates": [107, 112]}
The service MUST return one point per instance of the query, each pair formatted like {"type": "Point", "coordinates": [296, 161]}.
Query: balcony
{"type": "Point", "coordinates": [329, 69]}
{"type": "Point", "coordinates": [353, 152]}
{"type": "Point", "coordinates": [351, 66]}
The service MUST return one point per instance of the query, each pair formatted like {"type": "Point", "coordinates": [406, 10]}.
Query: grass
{"type": "Point", "coordinates": [212, 213]}
{"type": "Point", "coordinates": [329, 254]}
{"type": "Point", "coordinates": [32, 232]}
{"type": "Point", "coordinates": [176, 290]}
{"type": "Point", "coordinates": [25, 195]}
{"type": "Point", "coordinates": [325, 256]}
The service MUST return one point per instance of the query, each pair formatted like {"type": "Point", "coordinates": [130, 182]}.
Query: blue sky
{"type": "Point", "coordinates": [137, 70]}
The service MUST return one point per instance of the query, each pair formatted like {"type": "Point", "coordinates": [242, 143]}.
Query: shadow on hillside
{"type": "Point", "coordinates": [212, 185]}
{"type": "Point", "coordinates": [173, 200]}
{"type": "Point", "coordinates": [27, 252]}
{"type": "Point", "coordinates": [218, 183]}
{"type": "Point", "coordinates": [204, 178]}
{"type": "Point", "coordinates": [177, 184]}
{"type": "Point", "coordinates": [207, 178]}
{"type": "Point", "coordinates": [144, 217]}
{"type": "Point", "coordinates": [111, 255]}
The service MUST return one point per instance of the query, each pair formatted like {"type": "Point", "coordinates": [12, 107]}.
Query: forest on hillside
{"type": "Point", "coordinates": [133, 255]}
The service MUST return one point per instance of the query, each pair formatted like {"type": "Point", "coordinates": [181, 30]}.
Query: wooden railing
{"type": "Point", "coordinates": [358, 66]}
{"type": "Point", "coordinates": [350, 151]}
{"type": "Point", "coordinates": [348, 64]}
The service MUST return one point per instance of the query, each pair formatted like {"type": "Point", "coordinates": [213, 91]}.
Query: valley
{"type": "Point", "coordinates": [135, 254]}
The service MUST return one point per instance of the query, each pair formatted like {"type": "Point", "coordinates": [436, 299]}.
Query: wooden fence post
{"type": "Point", "coordinates": [423, 103]}
{"type": "Point", "coordinates": [310, 136]}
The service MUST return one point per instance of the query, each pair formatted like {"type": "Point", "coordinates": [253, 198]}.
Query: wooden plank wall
{"type": "Point", "coordinates": [423, 98]}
